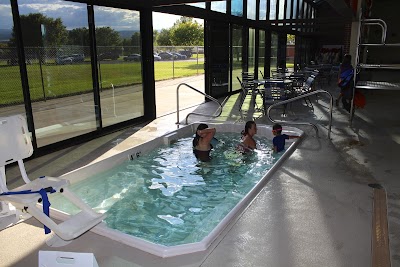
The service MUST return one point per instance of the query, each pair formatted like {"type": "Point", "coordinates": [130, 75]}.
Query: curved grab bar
{"type": "Point", "coordinates": [304, 123]}
{"type": "Point", "coordinates": [200, 92]}
{"type": "Point", "coordinates": [379, 22]}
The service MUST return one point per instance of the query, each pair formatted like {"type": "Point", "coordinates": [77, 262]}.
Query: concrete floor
{"type": "Point", "coordinates": [315, 211]}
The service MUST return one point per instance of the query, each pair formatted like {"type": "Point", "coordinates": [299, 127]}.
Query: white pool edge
{"type": "Point", "coordinates": [229, 219]}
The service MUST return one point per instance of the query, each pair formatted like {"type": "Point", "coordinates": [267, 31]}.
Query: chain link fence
{"type": "Point", "coordinates": [61, 71]}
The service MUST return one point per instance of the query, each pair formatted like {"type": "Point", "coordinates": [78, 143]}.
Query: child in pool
{"type": "Point", "coordinates": [279, 139]}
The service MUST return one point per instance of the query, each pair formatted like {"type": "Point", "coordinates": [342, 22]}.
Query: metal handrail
{"type": "Point", "coordinates": [378, 22]}
{"type": "Point", "coordinates": [193, 113]}
{"type": "Point", "coordinates": [304, 123]}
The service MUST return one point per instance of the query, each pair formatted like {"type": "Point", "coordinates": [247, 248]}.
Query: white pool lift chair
{"type": "Point", "coordinates": [15, 145]}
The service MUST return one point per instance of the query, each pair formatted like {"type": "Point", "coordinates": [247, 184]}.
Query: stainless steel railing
{"type": "Point", "coordinates": [304, 123]}
{"type": "Point", "coordinates": [193, 113]}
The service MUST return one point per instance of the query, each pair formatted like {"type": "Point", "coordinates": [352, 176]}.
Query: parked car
{"type": "Point", "coordinates": [187, 53]}
{"type": "Point", "coordinates": [179, 56]}
{"type": "Point", "coordinates": [166, 56]}
{"type": "Point", "coordinates": [133, 57]}
{"type": "Point", "coordinates": [157, 57]}
{"type": "Point", "coordinates": [77, 57]}
{"type": "Point", "coordinates": [62, 60]}
{"type": "Point", "coordinates": [108, 55]}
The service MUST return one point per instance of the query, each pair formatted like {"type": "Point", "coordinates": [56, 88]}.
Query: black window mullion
{"type": "Point", "coordinates": [95, 73]}
{"type": "Point", "coordinates": [23, 71]}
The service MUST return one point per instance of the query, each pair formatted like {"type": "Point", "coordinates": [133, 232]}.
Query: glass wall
{"type": "Point", "coordinates": [237, 60]}
{"type": "Point", "coordinates": [288, 8]}
{"type": "Point", "coordinates": [56, 42]}
{"type": "Point", "coordinates": [300, 8]}
{"type": "Point", "coordinates": [237, 8]}
{"type": "Point", "coordinates": [272, 9]}
{"type": "Point", "coordinates": [295, 2]}
{"type": "Point", "coordinates": [281, 15]}
{"type": "Point", "coordinates": [200, 5]}
{"type": "Point", "coordinates": [290, 51]}
{"type": "Point", "coordinates": [219, 6]}
{"type": "Point", "coordinates": [263, 10]}
{"type": "Point", "coordinates": [274, 52]}
{"type": "Point", "coordinates": [11, 96]}
{"type": "Point", "coordinates": [251, 9]}
{"type": "Point", "coordinates": [261, 53]}
{"type": "Point", "coordinates": [119, 63]}
{"type": "Point", "coordinates": [252, 50]}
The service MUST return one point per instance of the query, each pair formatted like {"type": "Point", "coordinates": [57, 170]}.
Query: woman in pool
{"type": "Point", "coordinates": [202, 142]}
{"type": "Point", "coordinates": [248, 143]}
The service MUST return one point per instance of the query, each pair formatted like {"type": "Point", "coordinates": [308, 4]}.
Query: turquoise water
{"type": "Point", "coordinates": [168, 197]}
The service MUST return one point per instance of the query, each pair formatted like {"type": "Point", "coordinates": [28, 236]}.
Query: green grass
{"type": "Point", "coordinates": [61, 80]}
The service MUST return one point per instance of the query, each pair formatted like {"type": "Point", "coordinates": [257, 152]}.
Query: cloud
{"type": "Point", "coordinates": [118, 19]}
{"type": "Point", "coordinates": [6, 16]}
{"type": "Point", "coordinates": [74, 15]}
{"type": "Point", "coordinates": [165, 21]}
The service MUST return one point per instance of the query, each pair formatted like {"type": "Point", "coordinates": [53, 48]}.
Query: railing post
{"type": "Point", "coordinates": [304, 123]}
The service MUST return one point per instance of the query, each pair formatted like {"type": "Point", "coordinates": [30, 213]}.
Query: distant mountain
{"type": "Point", "coordinates": [5, 34]}
{"type": "Point", "coordinates": [126, 34]}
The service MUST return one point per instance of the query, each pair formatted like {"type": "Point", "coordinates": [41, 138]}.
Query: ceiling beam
{"type": "Point", "coordinates": [341, 8]}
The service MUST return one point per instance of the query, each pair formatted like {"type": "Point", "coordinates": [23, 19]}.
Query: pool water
{"type": "Point", "coordinates": [167, 196]}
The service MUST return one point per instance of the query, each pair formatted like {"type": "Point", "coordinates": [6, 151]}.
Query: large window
{"type": "Point", "coordinates": [119, 63]}
{"type": "Point", "coordinates": [251, 9]}
{"type": "Point", "coordinates": [219, 6]}
{"type": "Point", "coordinates": [274, 52]}
{"type": "Point", "coordinates": [56, 43]}
{"type": "Point", "coordinates": [200, 5]}
{"type": "Point", "coordinates": [252, 50]}
{"type": "Point", "coordinates": [261, 52]}
{"type": "Point", "coordinates": [290, 51]}
{"type": "Point", "coordinates": [288, 8]}
{"type": "Point", "coordinates": [11, 97]}
{"type": "Point", "coordinates": [263, 10]}
{"type": "Point", "coordinates": [237, 8]}
{"type": "Point", "coordinates": [281, 9]}
{"type": "Point", "coordinates": [272, 9]}
{"type": "Point", "coordinates": [295, 2]}
{"type": "Point", "coordinates": [237, 61]}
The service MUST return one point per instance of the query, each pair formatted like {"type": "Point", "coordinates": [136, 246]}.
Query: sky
{"type": "Point", "coordinates": [74, 15]}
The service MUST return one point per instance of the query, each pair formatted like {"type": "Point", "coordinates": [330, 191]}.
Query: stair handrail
{"type": "Point", "coordinates": [193, 113]}
{"type": "Point", "coordinates": [303, 123]}
{"type": "Point", "coordinates": [378, 22]}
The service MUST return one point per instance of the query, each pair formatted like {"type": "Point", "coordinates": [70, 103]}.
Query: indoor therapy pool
{"type": "Point", "coordinates": [159, 198]}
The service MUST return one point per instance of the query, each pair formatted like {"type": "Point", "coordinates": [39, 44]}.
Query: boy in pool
{"type": "Point", "coordinates": [279, 139]}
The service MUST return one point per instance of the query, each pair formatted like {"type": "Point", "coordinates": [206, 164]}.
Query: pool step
{"type": "Point", "coordinates": [380, 235]}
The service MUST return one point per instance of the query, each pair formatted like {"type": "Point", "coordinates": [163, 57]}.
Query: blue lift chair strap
{"type": "Point", "coordinates": [45, 200]}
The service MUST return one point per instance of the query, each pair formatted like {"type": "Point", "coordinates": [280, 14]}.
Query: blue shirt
{"type": "Point", "coordinates": [279, 142]}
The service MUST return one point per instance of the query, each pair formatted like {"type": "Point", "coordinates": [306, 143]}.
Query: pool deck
{"type": "Point", "coordinates": [316, 210]}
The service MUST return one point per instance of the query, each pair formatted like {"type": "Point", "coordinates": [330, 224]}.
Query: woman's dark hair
{"type": "Point", "coordinates": [277, 127]}
{"type": "Point", "coordinates": [196, 139]}
{"type": "Point", "coordinates": [247, 126]}
{"type": "Point", "coordinates": [347, 59]}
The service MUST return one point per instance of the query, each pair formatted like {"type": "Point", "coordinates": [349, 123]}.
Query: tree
{"type": "Point", "coordinates": [105, 36]}
{"type": "Point", "coordinates": [40, 30]}
{"type": "Point", "coordinates": [79, 36]}
{"type": "Point", "coordinates": [291, 39]}
{"type": "Point", "coordinates": [155, 37]}
{"type": "Point", "coordinates": [187, 32]}
{"type": "Point", "coordinates": [164, 37]}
